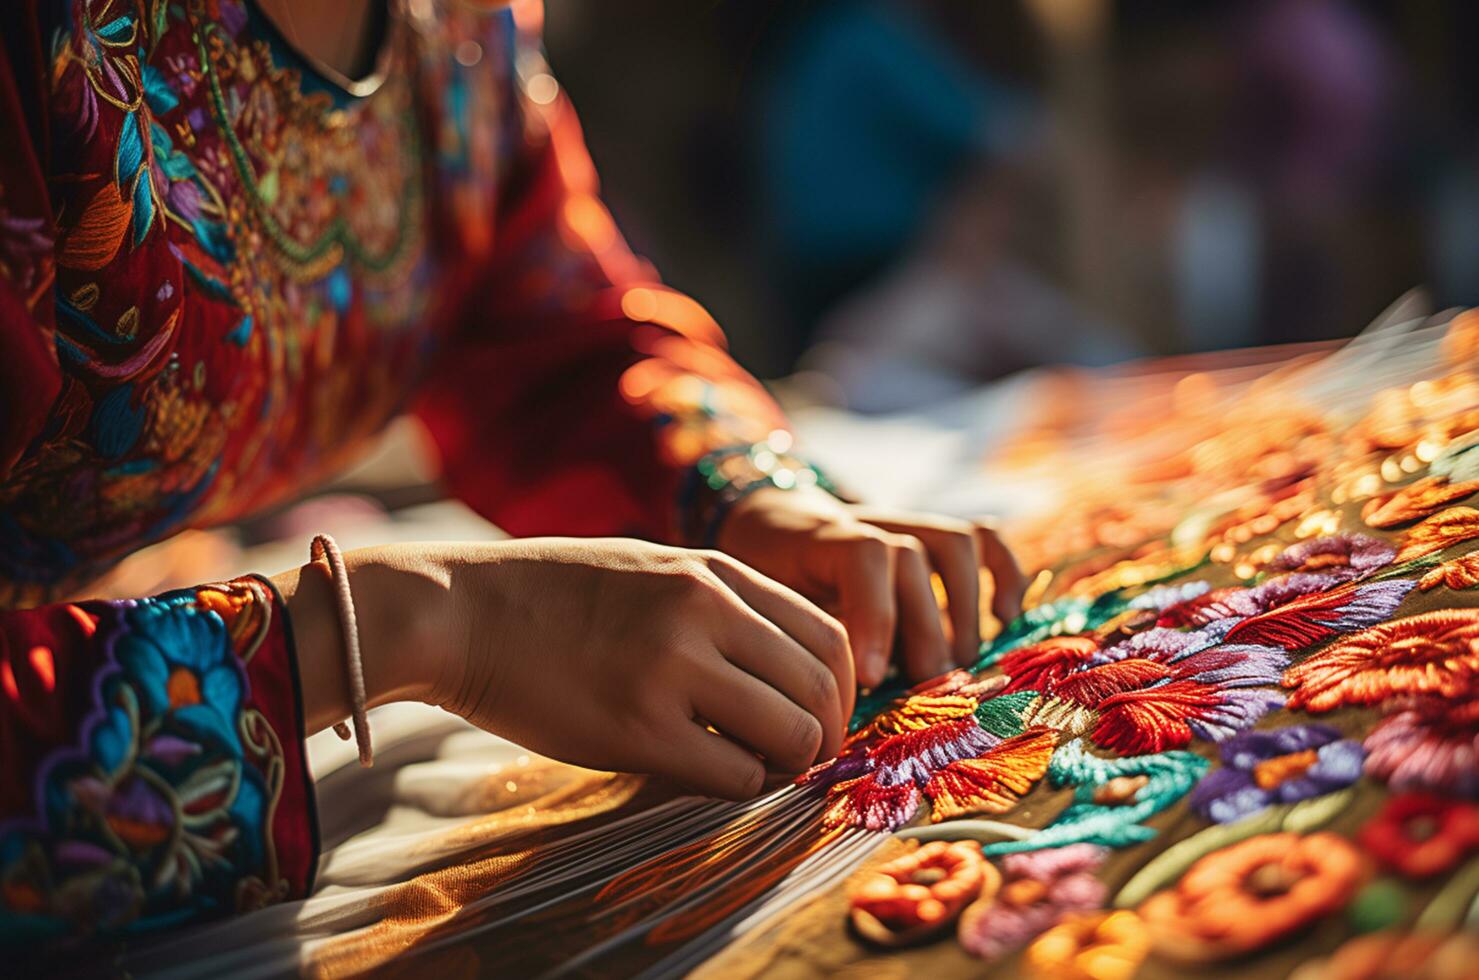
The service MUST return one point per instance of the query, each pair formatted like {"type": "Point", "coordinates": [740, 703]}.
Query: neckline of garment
{"type": "Point", "coordinates": [354, 88]}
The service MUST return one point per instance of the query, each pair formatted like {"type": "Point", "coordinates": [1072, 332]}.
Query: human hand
{"type": "Point", "coordinates": [612, 654]}
{"type": "Point", "coordinates": [872, 570]}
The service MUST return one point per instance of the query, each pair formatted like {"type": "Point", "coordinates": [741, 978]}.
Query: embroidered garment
{"type": "Point", "coordinates": [220, 274]}
{"type": "Point", "coordinates": [1233, 732]}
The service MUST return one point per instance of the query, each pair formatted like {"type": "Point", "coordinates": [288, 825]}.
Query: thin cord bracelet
{"type": "Point", "coordinates": [323, 547]}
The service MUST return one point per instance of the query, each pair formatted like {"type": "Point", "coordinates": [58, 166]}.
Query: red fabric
{"type": "Point", "coordinates": [152, 769]}
{"type": "Point", "coordinates": [29, 376]}
{"type": "Point", "coordinates": [557, 412]}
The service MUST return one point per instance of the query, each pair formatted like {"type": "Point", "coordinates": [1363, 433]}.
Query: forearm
{"type": "Point", "coordinates": [403, 611]}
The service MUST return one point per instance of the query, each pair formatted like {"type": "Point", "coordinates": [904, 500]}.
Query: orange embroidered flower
{"type": "Point", "coordinates": [1251, 894]}
{"type": "Point", "coordinates": [1097, 946]}
{"type": "Point", "coordinates": [1440, 531]}
{"type": "Point", "coordinates": [1422, 835]}
{"type": "Point", "coordinates": [1460, 573]}
{"type": "Point", "coordinates": [918, 894]}
{"type": "Point", "coordinates": [1414, 501]}
{"type": "Point", "coordinates": [1430, 653]}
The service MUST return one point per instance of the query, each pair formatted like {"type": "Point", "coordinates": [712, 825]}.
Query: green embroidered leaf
{"type": "Point", "coordinates": [1002, 716]}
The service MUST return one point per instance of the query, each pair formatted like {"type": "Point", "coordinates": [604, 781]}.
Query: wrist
{"type": "Point", "coordinates": [725, 478]}
{"type": "Point", "coordinates": [396, 605]}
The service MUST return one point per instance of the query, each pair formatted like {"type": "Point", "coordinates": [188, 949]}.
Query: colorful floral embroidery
{"type": "Point", "coordinates": [1430, 743]}
{"type": "Point", "coordinates": [1344, 555]}
{"type": "Point", "coordinates": [1421, 835]}
{"type": "Point", "coordinates": [162, 811]}
{"type": "Point", "coordinates": [1260, 769]}
{"type": "Point", "coordinates": [1038, 890]}
{"type": "Point", "coordinates": [1460, 573]}
{"type": "Point", "coordinates": [920, 893]}
{"type": "Point", "coordinates": [1444, 530]}
{"type": "Point", "coordinates": [1251, 894]}
{"type": "Point", "coordinates": [1430, 653]}
{"type": "Point", "coordinates": [1415, 501]}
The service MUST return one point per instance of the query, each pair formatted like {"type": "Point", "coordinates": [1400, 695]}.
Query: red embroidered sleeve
{"type": "Point", "coordinates": [152, 768]}
{"type": "Point", "coordinates": [29, 375]}
{"type": "Point", "coordinates": [583, 393]}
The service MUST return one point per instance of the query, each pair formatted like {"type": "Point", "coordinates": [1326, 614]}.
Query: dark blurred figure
{"type": "Point", "coordinates": [944, 190]}
{"type": "Point", "coordinates": [866, 113]}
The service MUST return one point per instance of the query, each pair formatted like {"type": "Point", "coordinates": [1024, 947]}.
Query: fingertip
{"type": "Point", "coordinates": [872, 663]}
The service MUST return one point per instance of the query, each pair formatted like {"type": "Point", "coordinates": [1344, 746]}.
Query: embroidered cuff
{"type": "Point", "coordinates": [157, 770]}
{"type": "Point", "coordinates": [724, 477]}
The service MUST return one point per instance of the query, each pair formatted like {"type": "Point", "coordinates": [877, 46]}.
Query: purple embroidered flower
{"type": "Point", "coordinates": [1260, 769]}
{"type": "Point", "coordinates": [1347, 556]}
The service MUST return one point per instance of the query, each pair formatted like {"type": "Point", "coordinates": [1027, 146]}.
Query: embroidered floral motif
{"type": "Point", "coordinates": [920, 893]}
{"type": "Point", "coordinates": [1443, 530]}
{"type": "Point", "coordinates": [1431, 743]}
{"type": "Point", "coordinates": [1344, 555]}
{"type": "Point", "coordinates": [958, 765]}
{"type": "Point", "coordinates": [1460, 573]}
{"type": "Point", "coordinates": [1430, 653]}
{"type": "Point", "coordinates": [1260, 769]}
{"type": "Point", "coordinates": [1038, 890]}
{"type": "Point", "coordinates": [1415, 501]}
{"type": "Point", "coordinates": [1421, 835]}
{"type": "Point", "coordinates": [1251, 894]}
{"type": "Point", "coordinates": [1111, 797]}
{"type": "Point", "coordinates": [162, 811]}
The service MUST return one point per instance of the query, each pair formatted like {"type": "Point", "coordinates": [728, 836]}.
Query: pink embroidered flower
{"type": "Point", "coordinates": [1039, 888]}
{"type": "Point", "coordinates": [1432, 744]}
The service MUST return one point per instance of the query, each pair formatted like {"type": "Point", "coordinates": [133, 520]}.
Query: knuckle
{"type": "Point", "coordinates": [749, 781]}
{"type": "Point", "coordinates": [908, 544]}
{"type": "Point", "coordinates": [834, 642]}
{"type": "Point", "coordinates": [805, 739]}
{"type": "Point", "coordinates": [824, 687]}
{"type": "Point", "coordinates": [872, 549]}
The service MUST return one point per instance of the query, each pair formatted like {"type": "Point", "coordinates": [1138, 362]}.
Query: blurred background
{"type": "Point", "coordinates": [889, 202]}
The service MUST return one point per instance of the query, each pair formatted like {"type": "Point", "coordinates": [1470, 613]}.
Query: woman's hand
{"type": "Point", "coordinates": [612, 654]}
{"type": "Point", "coordinates": [872, 569]}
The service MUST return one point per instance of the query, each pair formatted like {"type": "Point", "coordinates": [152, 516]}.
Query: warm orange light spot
{"type": "Point", "coordinates": [45, 666]}
{"type": "Point", "coordinates": [589, 222]}
{"type": "Point", "coordinates": [183, 688]}
{"type": "Point", "coordinates": [85, 619]}
{"type": "Point", "coordinates": [7, 680]}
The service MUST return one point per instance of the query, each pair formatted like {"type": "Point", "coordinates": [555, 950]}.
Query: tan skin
{"type": "Point", "coordinates": [620, 654]}
{"type": "Point", "coordinates": [709, 667]}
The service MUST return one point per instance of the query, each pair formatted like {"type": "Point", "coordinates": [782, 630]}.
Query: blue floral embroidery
{"type": "Point", "coordinates": [157, 816]}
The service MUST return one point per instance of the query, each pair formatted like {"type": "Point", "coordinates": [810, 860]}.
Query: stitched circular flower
{"type": "Point", "coordinates": [1432, 744]}
{"type": "Point", "coordinates": [1096, 946]}
{"type": "Point", "coordinates": [1260, 769]}
{"type": "Point", "coordinates": [1422, 835]}
{"type": "Point", "coordinates": [1038, 889]}
{"type": "Point", "coordinates": [921, 892]}
{"type": "Point", "coordinates": [1251, 894]}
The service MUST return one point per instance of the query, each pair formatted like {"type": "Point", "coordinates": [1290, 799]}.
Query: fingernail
{"type": "Point", "coordinates": [875, 661]}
